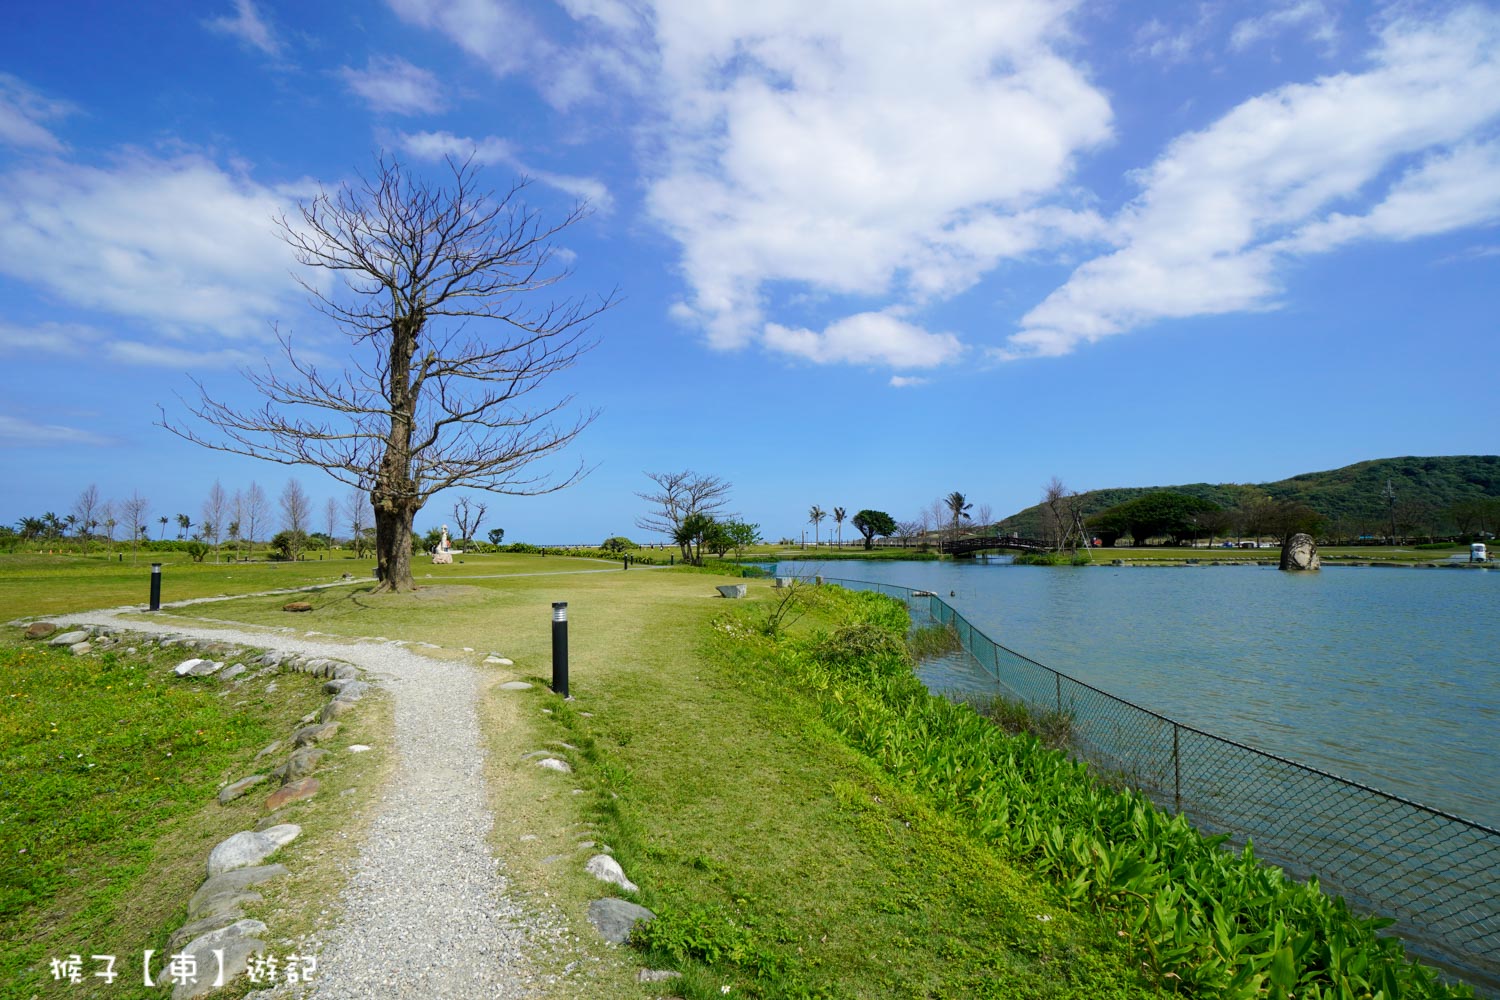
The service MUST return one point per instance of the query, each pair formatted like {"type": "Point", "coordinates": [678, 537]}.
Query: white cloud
{"type": "Point", "coordinates": [864, 339]}
{"type": "Point", "coordinates": [391, 84]}
{"type": "Point", "coordinates": [493, 31]}
{"type": "Point", "coordinates": [848, 148]}
{"type": "Point", "coordinates": [23, 112]}
{"type": "Point", "coordinates": [1222, 208]}
{"type": "Point", "coordinates": [93, 345]}
{"type": "Point", "coordinates": [609, 56]}
{"type": "Point", "coordinates": [904, 381]}
{"type": "Point", "coordinates": [1311, 17]}
{"type": "Point", "coordinates": [178, 242]}
{"type": "Point", "coordinates": [248, 26]}
{"type": "Point", "coordinates": [16, 432]}
{"type": "Point", "coordinates": [494, 150]}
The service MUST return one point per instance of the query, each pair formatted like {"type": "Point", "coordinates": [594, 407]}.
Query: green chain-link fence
{"type": "Point", "coordinates": [1437, 874]}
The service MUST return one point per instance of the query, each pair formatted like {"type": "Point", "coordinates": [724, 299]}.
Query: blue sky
{"type": "Point", "coordinates": [869, 253]}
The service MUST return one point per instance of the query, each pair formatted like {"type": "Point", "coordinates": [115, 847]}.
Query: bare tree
{"type": "Point", "coordinates": [296, 511]}
{"type": "Point", "coordinates": [331, 520]}
{"type": "Point", "coordinates": [468, 515]}
{"type": "Point", "coordinates": [1055, 524]}
{"type": "Point", "coordinates": [985, 516]}
{"type": "Point", "coordinates": [356, 508]}
{"type": "Point", "coordinates": [678, 496]}
{"type": "Point", "coordinates": [133, 509]}
{"type": "Point", "coordinates": [256, 513]}
{"type": "Point", "coordinates": [437, 402]}
{"type": "Point", "coordinates": [107, 519]}
{"type": "Point", "coordinates": [87, 509]}
{"type": "Point", "coordinates": [212, 516]}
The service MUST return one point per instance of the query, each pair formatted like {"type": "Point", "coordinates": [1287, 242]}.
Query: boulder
{"type": "Point", "coordinates": [733, 590]}
{"type": "Point", "coordinates": [296, 606]}
{"type": "Point", "coordinates": [553, 764]}
{"type": "Point", "coordinates": [228, 884]}
{"type": "Point", "coordinates": [334, 709]}
{"type": "Point", "coordinates": [349, 690]}
{"type": "Point", "coordinates": [292, 791]}
{"type": "Point", "coordinates": [81, 648]}
{"type": "Point", "coordinates": [249, 848]}
{"type": "Point", "coordinates": [308, 735]}
{"type": "Point", "coordinates": [233, 945]}
{"type": "Point", "coordinates": [614, 919]}
{"type": "Point", "coordinates": [1299, 554]}
{"type": "Point", "coordinates": [69, 638]}
{"type": "Point", "coordinates": [229, 793]}
{"type": "Point", "coordinates": [233, 671]}
{"type": "Point", "coordinates": [197, 668]}
{"type": "Point", "coordinates": [194, 929]}
{"type": "Point", "coordinates": [300, 764]}
{"type": "Point", "coordinates": [607, 869]}
{"type": "Point", "coordinates": [40, 630]}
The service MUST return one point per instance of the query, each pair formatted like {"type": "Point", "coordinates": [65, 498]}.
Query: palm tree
{"type": "Point", "coordinates": [838, 518]}
{"type": "Point", "coordinates": [31, 527]}
{"type": "Point", "coordinates": [959, 507]}
{"type": "Point", "coordinates": [164, 519]}
{"type": "Point", "coordinates": [183, 524]}
{"type": "Point", "coordinates": [815, 514]}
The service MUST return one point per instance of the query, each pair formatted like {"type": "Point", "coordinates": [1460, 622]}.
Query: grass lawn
{"type": "Point", "coordinates": [781, 861]}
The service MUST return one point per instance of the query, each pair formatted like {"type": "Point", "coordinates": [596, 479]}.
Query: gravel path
{"type": "Point", "coordinates": [427, 912]}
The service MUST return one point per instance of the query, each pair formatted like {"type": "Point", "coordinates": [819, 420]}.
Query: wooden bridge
{"type": "Point", "coordinates": [971, 544]}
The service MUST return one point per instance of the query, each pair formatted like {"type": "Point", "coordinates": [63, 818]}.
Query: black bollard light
{"type": "Point", "coordinates": [624, 562]}
{"type": "Point", "coordinates": [560, 647]}
{"type": "Point", "coordinates": [156, 586]}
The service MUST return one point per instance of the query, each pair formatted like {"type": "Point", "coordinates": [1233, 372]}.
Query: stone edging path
{"type": "Point", "coordinates": [428, 910]}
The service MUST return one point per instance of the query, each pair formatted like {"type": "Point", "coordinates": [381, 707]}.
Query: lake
{"type": "Point", "coordinates": [1386, 676]}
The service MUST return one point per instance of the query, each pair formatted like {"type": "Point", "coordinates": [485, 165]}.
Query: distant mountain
{"type": "Point", "coordinates": [1351, 495]}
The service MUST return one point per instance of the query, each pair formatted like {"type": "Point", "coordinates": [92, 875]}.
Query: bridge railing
{"type": "Point", "coordinates": [1434, 872]}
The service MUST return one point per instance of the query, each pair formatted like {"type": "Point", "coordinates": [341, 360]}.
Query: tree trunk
{"type": "Point", "coordinates": [393, 548]}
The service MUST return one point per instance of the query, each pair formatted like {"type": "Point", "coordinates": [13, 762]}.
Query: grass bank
{"type": "Point", "coordinates": [109, 767]}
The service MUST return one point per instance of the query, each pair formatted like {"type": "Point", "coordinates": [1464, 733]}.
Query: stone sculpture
{"type": "Point", "coordinates": [1298, 553]}
{"type": "Point", "coordinates": [444, 554]}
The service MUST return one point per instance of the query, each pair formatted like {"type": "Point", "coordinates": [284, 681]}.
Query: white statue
{"type": "Point", "coordinates": [444, 554]}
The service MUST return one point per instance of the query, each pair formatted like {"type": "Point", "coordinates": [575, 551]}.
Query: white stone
{"type": "Point", "coordinates": [68, 638]}
{"type": "Point", "coordinates": [187, 666]}
{"type": "Point", "coordinates": [250, 847]}
{"type": "Point", "coordinates": [515, 686]}
{"type": "Point", "coordinates": [553, 764]}
{"type": "Point", "coordinates": [359, 748]}
{"type": "Point", "coordinates": [607, 869]}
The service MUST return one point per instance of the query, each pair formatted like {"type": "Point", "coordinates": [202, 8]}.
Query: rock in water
{"type": "Point", "coordinates": [1298, 553]}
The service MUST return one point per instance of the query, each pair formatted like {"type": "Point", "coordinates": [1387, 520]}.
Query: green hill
{"type": "Point", "coordinates": [1351, 498]}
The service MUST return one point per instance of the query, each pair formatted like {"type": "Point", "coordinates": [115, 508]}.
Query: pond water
{"type": "Point", "coordinates": [1389, 677]}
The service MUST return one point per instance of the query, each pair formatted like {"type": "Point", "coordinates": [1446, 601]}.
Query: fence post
{"type": "Point", "coordinates": [1057, 677]}
{"type": "Point", "coordinates": [1176, 770]}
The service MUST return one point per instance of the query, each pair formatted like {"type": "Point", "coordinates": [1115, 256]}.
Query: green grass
{"type": "Point", "coordinates": [110, 765]}
{"type": "Point", "coordinates": [783, 863]}
{"type": "Point", "coordinates": [785, 856]}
